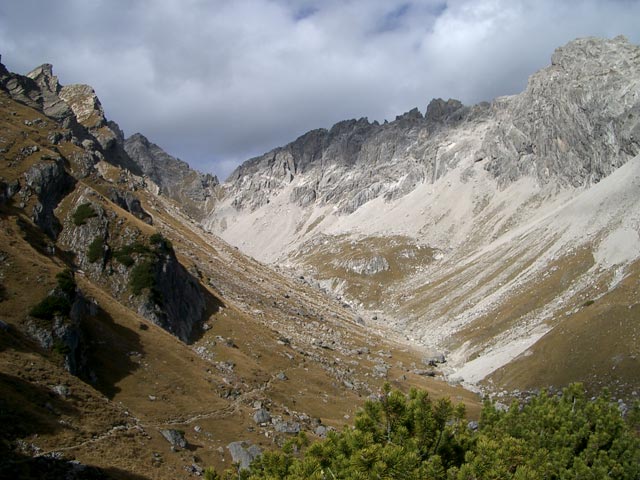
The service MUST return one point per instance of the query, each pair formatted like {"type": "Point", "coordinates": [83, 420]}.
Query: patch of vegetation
{"type": "Point", "coordinates": [588, 303]}
{"type": "Point", "coordinates": [51, 306]}
{"type": "Point", "coordinates": [95, 251]}
{"type": "Point", "coordinates": [161, 243]}
{"type": "Point", "coordinates": [124, 255]}
{"type": "Point", "coordinates": [82, 213]}
{"type": "Point", "coordinates": [414, 437]}
{"type": "Point", "coordinates": [66, 282]}
{"type": "Point", "coordinates": [59, 301]}
{"type": "Point", "coordinates": [142, 276]}
{"type": "Point", "coordinates": [61, 348]}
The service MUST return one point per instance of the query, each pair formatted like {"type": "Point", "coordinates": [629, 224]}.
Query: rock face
{"type": "Point", "coordinates": [50, 182]}
{"type": "Point", "coordinates": [574, 117]}
{"type": "Point", "coordinates": [129, 202]}
{"type": "Point", "coordinates": [170, 298]}
{"type": "Point", "coordinates": [194, 191]}
{"type": "Point", "coordinates": [176, 302]}
{"type": "Point", "coordinates": [366, 266]}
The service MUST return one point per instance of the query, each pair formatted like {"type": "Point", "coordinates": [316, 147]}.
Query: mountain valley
{"type": "Point", "coordinates": [156, 321]}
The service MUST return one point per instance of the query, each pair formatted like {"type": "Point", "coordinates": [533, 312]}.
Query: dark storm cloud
{"type": "Point", "coordinates": [215, 82]}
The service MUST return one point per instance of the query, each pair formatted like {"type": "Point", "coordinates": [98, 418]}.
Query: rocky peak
{"type": "Point", "coordinates": [85, 105]}
{"type": "Point", "coordinates": [441, 112]}
{"type": "Point", "coordinates": [44, 77]}
{"type": "Point", "coordinates": [591, 53]}
{"type": "Point", "coordinates": [412, 115]}
{"type": "Point", "coordinates": [193, 190]}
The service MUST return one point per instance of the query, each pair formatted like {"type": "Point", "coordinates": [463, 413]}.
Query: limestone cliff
{"type": "Point", "coordinates": [577, 121]}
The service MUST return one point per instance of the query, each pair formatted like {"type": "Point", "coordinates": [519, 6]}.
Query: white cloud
{"type": "Point", "coordinates": [215, 82]}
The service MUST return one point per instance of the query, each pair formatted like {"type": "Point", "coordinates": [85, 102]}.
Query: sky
{"type": "Point", "coordinates": [216, 82]}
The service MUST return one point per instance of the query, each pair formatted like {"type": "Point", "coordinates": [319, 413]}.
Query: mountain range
{"type": "Point", "coordinates": [156, 321]}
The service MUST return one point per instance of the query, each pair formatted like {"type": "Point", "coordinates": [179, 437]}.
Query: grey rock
{"type": "Point", "coordinates": [380, 370]}
{"type": "Point", "coordinates": [366, 266]}
{"type": "Point", "coordinates": [50, 182]}
{"type": "Point", "coordinates": [286, 427]}
{"type": "Point", "coordinates": [8, 190]}
{"type": "Point", "coordinates": [129, 202]}
{"type": "Point", "coordinates": [321, 431]}
{"type": "Point", "coordinates": [262, 415]}
{"type": "Point", "coordinates": [424, 373]}
{"type": "Point", "coordinates": [243, 453]}
{"type": "Point", "coordinates": [61, 390]}
{"type": "Point", "coordinates": [174, 437]}
{"type": "Point", "coordinates": [435, 359]}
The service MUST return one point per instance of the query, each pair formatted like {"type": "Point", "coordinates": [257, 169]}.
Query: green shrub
{"type": "Point", "coordinates": [124, 254]}
{"type": "Point", "coordinates": [95, 250]}
{"type": "Point", "coordinates": [210, 474]}
{"type": "Point", "coordinates": [66, 282]}
{"type": "Point", "coordinates": [59, 302]}
{"type": "Point", "coordinates": [142, 276]}
{"type": "Point", "coordinates": [82, 213]}
{"type": "Point", "coordinates": [162, 244]}
{"type": "Point", "coordinates": [50, 306]}
{"type": "Point", "coordinates": [562, 436]}
{"type": "Point", "coordinates": [61, 348]}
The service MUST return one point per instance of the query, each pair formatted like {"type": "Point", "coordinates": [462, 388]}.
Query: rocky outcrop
{"type": "Point", "coordinates": [57, 326]}
{"type": "Point", "coordinates": [365, 266]}
{"type": "Point", "coordinates": [113, 254]}
{"type": "Point", "coordinates": [50, 182]}
{"type": "Point", "coordinates": [175, 302]}
{"type": "Point", "coordinates": [243, 453]}
{"type": "Point", "coordinates": [129, 202]}
{"type": "Point", "coordinates": [192, 190]}
{"type": "Point", "coordinates": [175, 438]}
{"type": "Point", "coordinates": [577, 121]}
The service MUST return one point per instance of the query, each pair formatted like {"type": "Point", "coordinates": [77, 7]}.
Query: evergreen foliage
{"type": "Point", "coordinates": [563, 436]}
{"type": "Point", "coordinates": [142, 276]}
{"type": "Point", "coordinates": [161, 243]}
{"type": "Point", "coordinates": [124, 255]}
{"type": "Point", "coordinates": [82, 213]}
{"type": "Point", "coordinates": [59, 301]}
{"type": "Point", "coordinates": [66, 282]}
{"type": "Point", "coordinates": [95, 250]}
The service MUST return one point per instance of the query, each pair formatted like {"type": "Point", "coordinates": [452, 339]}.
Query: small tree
{"type": "Point", "coordinates": [82, 213]}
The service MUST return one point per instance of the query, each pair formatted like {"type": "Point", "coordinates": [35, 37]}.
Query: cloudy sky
{"type": "Point", "coordinates": [215, 82]}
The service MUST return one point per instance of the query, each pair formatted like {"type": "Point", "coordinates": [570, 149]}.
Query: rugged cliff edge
{"type": "Point", "coordinates": [577, 121]}
{"type": "Point", "coordinates": [77, 137]}
{"type": "Point", "coordinates": [195, 192]}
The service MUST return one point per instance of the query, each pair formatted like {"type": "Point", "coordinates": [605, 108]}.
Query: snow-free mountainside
{"type": "Point", "coordinates": [155, 322]}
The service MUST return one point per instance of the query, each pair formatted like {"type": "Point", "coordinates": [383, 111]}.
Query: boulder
{"type": "Point", "coordinates": [243, 453]}
{"type": "Point", "coordinates": [174, 437]}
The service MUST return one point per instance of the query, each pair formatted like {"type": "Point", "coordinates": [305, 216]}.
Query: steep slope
{"type": "Point", "coordinates": [475, 230]}
{"type": "Point", "coordinates": [154, 345]}
{"type": "Point", "coordinates": [192, 190]}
